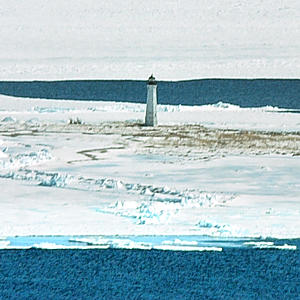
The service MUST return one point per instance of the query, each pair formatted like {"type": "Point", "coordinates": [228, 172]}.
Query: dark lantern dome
{"type": "Point", "coordinates": [152, 80]}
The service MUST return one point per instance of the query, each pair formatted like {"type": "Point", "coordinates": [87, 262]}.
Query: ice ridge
{"type": "Point", "coordinates": [151, 204]}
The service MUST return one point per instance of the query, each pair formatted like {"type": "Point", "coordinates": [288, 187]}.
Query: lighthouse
{"type": "Point", "coordinates": [151, 117]}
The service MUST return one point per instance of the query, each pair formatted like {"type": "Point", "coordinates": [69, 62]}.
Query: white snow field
{"type": "Point", "coordinates": [175, 39]}
{"type": "Point", "coordinates": [219, 170]}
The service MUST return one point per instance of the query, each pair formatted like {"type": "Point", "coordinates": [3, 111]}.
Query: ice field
{"type": "Point", "coordinates": [126, 40]}
{"type": "Point", "coordinates": [216, 171]}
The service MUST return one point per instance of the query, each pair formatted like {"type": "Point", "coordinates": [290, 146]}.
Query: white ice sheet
{"type": "Point", "coordinates": [48, 187]}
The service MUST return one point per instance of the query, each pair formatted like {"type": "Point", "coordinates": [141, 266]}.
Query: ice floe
{"type": "Point", "coordinates": [223, 106]}
{"type": "Point", "coordinates": [270, 245]}
{"type": "Point", "coordinates": [122, 243]}
{"type": "Point", "coordinates": [186, 248]}
{"type": "Point", "coordinates": [144, 242]}
{"type": "Point", "coordinates": [125, 243]}
{"type": "Point", "coordinates": [180, 242]}
{"type": "Point", "coordinates": [46, 245]}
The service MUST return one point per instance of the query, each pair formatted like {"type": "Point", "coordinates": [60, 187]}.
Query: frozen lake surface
{"type": "Point", "coordinates": [215, 170]}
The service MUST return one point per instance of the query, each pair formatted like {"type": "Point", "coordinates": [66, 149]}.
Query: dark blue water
{"type": "Point", "coordinates": [283, 93]}
{"type": "Point", "coordinates": [235, 273]}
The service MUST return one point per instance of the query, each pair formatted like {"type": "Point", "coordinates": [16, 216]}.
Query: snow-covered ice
{"type": "Point", "coordinates": [175, 40]}
{"type": "Point", "coordinates": [186, 248]}
{"type": "Point", "coordinates": [220, 115]}
{"type": "Point", "coordinates": [204, 173]}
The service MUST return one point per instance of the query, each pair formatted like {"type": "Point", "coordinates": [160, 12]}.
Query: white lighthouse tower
{"type": "Point", "coordinates": [151, 115]}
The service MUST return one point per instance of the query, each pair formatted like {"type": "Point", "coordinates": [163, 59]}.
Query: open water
{"type": "Point", "coordinates": [234, 273]}
{"type": "Point", "coordinates": [283, 93]}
